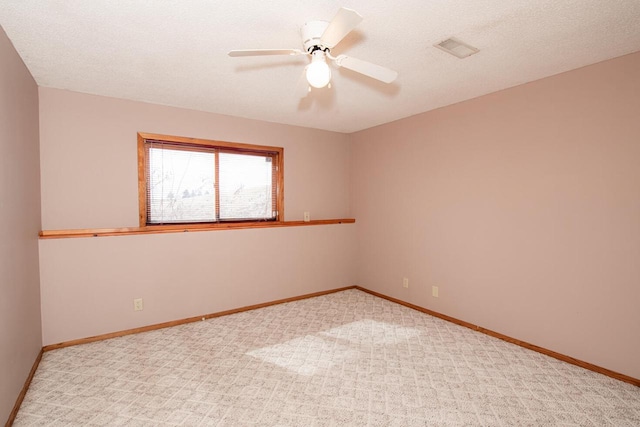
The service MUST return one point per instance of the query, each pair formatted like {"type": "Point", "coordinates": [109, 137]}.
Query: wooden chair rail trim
{"type": "Point", "coordinates": [542, 350]}
{"type": "Point", "coordinates": [23, 392]}
{"type": "Point", "coordinates": [182, 228]}
{"type": "Point", "coordinates": [188, 320]}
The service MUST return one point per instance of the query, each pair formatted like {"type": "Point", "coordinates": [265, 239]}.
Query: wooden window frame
{"type": "Point", "coordinates": [276, 152]}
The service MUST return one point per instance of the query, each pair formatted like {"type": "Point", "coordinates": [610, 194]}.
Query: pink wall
{"type": "Point", "coordinates": [20, 334]}
{"type": "Point", "coordinates": [89, 158]}
{"type": "Point", "coordinates": [89, 180]}
{"type": "Point", "coordinates": [523, 206]}
{"type": "Point", "coordinates": [88, 285]}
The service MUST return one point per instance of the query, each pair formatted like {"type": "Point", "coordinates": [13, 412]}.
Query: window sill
{"type": "Point", "coordinates": [181, 228]}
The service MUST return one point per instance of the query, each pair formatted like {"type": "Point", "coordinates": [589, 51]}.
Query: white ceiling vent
{"type": "Point", "coordinates": [456, 47]}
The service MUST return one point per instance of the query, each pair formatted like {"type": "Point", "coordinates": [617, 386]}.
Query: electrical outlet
{"type": "Point", "coordinates": [137, 304]}
{"type": "Point", "coordinates": [405, 282]}
{"type": "Point", "coordinates": [307, 217]}
{"type": "Point", "coordinates": [434, 291]}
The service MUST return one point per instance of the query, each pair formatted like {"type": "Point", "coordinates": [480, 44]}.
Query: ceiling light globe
{"type": "Point", "coordinates": [318, 72]}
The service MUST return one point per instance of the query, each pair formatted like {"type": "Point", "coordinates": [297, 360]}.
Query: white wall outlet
{"type": "Point", "coordinates": [434, 291]}
{"type": "Point", "coordinates": [137, 304]}
{"type": "Point", "coordinates": [307, 217]}
{"type": "Point", "coordinates": [405, 282]}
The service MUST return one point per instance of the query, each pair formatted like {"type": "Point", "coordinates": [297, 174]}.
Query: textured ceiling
{"type": "Point", "coordinates": [174, 52]}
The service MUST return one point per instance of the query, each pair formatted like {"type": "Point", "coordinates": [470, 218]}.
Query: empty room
{"type": "Point", "coordinates": [305, 213]}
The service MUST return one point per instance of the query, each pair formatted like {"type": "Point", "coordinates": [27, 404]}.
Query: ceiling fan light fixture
{"type": "Point", "coordinates": [318, 38]}
{"type": "Point", "coordinates": [318, 72]}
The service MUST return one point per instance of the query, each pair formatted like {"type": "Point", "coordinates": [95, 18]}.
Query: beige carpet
{"type": "Point", "coordinates": [347, 358]}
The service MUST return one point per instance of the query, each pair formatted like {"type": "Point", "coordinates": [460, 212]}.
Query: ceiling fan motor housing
{"type": "Point", "coordinates": [311, 33]}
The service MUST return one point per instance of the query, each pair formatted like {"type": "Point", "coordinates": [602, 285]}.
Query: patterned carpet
{"type": "Point", "coordinates": [347, 358]}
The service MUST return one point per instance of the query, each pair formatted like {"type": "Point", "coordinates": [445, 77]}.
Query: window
{"type": "Point", "coordinates": [188, 181]}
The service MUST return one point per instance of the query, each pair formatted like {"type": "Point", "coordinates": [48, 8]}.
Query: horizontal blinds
{"type": "Point", "coordinates": [190, 184]}
{"type": "Point", "coordinates": [180, 184]}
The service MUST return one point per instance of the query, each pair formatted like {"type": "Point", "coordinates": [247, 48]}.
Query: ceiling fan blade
{"type": "Point", "coordinates": [341, 25]}
{"type": "Point", "coordinates": [367, 68]}
{"type": "Point", "coordinates": [264, 52]}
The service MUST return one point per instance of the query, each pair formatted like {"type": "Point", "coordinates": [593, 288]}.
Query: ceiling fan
{"type": "Point", "coordinates": [318, 38]}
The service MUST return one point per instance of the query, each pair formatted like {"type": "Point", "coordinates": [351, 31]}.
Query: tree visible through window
{"type": "Point", "coordinates": [186, 180]}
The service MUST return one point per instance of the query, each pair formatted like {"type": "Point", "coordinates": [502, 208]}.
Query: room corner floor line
{"type": "Point", "coordinates": [542, 350]}
{"type": "Point", "coordinates": [346, 358]}
{"type": "Point", "coordinates": [25, 388]}
{"type": "Point", "coordinates": [171, 323]}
